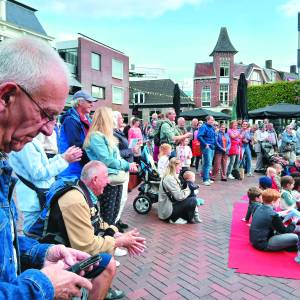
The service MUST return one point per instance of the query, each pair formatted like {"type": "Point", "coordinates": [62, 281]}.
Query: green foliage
{"type": "Point", "coordinates": [269, 94]}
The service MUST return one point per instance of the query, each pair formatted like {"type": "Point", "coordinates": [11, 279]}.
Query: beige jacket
{"type": "Point", "coordinates": [77, 218]}
{"type": "Point", "coordinates": [165, 206]}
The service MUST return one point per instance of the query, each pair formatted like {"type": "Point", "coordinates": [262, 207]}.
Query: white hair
{"type": "Point", "coordinates": [91, 169]}
{"type": "Point", "coordinates": [116, 115]}
{"type": "Point", "coordinates": [28, 61]}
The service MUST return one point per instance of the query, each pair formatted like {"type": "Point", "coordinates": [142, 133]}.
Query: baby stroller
{"type": "Point", "coordinates": [268, 153]}
{"type": "Point", "coordinates": [150, 183]}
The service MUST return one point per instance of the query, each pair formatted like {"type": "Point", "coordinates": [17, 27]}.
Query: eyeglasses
{"type": "Point", "coordinates": [43, 113]}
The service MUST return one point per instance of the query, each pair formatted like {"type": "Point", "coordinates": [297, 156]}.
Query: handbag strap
{"type": "Point", "coordinates": [167, 192]}
{"type": "Point", "coordinates": [31, 185]}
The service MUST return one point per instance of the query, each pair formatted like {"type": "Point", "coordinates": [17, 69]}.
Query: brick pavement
{"type": "Point", "coordinates": [190, 261]}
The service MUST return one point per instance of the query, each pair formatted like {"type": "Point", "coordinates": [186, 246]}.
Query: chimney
{"type": "Point", "coordinates": [269, 64]}
{"type": "Point", "coordinates": [293, 69]}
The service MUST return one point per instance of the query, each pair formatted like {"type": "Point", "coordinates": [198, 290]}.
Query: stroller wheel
{"type": "Point", "coordinates": [142, 204]}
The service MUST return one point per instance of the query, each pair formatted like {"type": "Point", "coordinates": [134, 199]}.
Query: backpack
{"type": "Point", "coordinates": [156, 134]}
{"type": "Point", "coordinates": [38, 228]}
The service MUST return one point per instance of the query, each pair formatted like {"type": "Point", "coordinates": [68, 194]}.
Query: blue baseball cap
{"type": "Point", "coordinates": [84, 95]}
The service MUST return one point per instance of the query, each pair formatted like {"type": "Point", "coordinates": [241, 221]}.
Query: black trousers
{"type": "Point", "coordinates": [110, 203]}
{"type": "Point", "coordinates": [184, 209]}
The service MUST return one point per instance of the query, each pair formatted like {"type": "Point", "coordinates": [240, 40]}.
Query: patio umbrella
{"type": "Point", "coordinates": [242, 98]}
{"type": "Point", "coordinates": [280, 110]}
{"type": "Point", "coordinates": [176, 100]}
{"type": "Point", "coordinates": [202, 113]}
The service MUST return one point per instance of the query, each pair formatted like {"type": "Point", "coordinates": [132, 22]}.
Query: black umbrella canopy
{"type": "Point", "coordinates": [201, 113]}
{"type": "Point", "coordinates": [280, 110]}
{"type": "Point", "coordinates": [176, 99]}
{"type": "Point", "coordinates": [242, 98]}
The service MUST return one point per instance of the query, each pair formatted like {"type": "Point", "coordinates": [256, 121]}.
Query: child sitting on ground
{"type": "Point", "coordinates": [189, 178]}
{"type": "Point", "coordinates": [267, 231]}
{"type": "Point", "coordinates": [264, 182]}
{"type": "Point", "coordinates": [295, 167]}
{"type": "Point", "coordinates": [288, 201]}
{"type": "Point", "coordinates": [255, 200]}
{"type": "Point", "coordinates": [184, 154]}
{"type": "Point", "coordinates": [271, 172]}
{"type": "Point", "coordinates": [296, 191]}
{"type": "Point", "coordinates": [163, 158]}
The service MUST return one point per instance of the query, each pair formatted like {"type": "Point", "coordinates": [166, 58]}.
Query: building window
{"type": "Point", "coordinates": [117, 95]}
{"type": "Point", "coordinates": [224, 93]}
{"type": "Point", "coordinates": [95, 61]}
{"type": "Point", "coordinates": [206, 96]}
{"type": "Point", "coordinates": [98, 92]}
{"type": "Point", "coordinates": [117, 69]}
{"type": "Point", "coordinates": [224, 68]}
{"type": "Point", "coordinates": [70, 58]}
{"type": "Point", "coordinates": [139, 98]}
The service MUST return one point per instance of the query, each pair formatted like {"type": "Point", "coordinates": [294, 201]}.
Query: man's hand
{"type": "Point", "coordinates": [188, 135]}
{"type": "Point", "coordinates": [66, 284]}
{"type": "Point", "coordinates": [131, 240]}
{"type": "Point", "coordinates": [68, 256]}
{"type": "Point", "coordinates": [207, 146]}
{"type": "Point", "coordinates": [72, 154]}
{"type": "Point", "coordinates": [133, 167]}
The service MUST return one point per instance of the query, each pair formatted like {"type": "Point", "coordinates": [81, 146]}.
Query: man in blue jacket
{"type": "Point", "coordinates": [207, 138]}
{"type": "Point", "coordinates": [75, 125]}
{"type": "Point", "coordinates": [30, 100]}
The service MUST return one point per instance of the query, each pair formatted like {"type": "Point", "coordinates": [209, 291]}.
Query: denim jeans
{"type": "Point", "coordinates": [233, 163]}
{"type": "Point", "coordinates": [283, 241]}
{"type": "Point", "coordinates": [247, 158]}
{"type": "Point", "coordinates": [207, 157]}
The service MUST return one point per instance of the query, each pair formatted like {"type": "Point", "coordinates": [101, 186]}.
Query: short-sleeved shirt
{"type": "Point", "coordinates": [167, 132]}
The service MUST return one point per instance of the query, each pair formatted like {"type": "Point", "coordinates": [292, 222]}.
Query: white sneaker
{"type": "Point", "coordinates": [179, 221]}
{"type": "Point", "coordinates": [230, 176]}
{"type": "Point", "coordinates": [211, 181]}
{"type": "Point", "coordinates": [117, 263]}
{"type": "Point", "coordinates": [207, 183]}
{"type": "Point", "coordinates": [120, 252]}
{"type": "Point", "coordinates": [249, 175]}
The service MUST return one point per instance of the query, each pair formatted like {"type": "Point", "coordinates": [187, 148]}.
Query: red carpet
{"type": "Point", "coordinates": [247, 260]}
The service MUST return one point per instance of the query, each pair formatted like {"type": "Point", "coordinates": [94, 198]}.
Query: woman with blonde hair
{"type": "Point", "coordinates": [174, 203]}
{"type": "Point", "coordinates": [100, 144]}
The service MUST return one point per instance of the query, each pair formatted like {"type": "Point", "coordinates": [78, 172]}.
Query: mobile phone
{"type": "Point", "coordinates": [85, 264]}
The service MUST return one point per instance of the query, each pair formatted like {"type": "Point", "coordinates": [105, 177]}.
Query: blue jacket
{"type": "Point", "coordinates": [219, 142]}
{"type": "Point", "coordinates": [31, 284]}
{"type": "Point", "coordinates": [99, 149]}
{"type": "Point", "coordinates": [72, 133]}
{"type": "Point", "coordinates": [32, 164]}
{"type": "Point", "coordinates": [207, 135]}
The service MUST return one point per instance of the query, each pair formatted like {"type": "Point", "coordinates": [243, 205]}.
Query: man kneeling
{"type": "Point", "coordinates": [74, 220]}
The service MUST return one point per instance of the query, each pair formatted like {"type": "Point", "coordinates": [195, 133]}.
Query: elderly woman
{"type": "Point", "coordinates": [288, 144]}
{"type": "Point", "coordinates": [174, 203]}
{"type": "Point", "coordinates": [127, 154]}
{"type": "Point", "coordinates": [100, 144]}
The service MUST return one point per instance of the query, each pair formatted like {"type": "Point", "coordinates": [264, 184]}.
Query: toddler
{"type": "Point", "coordinates": [189, 178]}
{"type": "Point", "coordinates": [184, 153]}
{"type": "Point", "coordinates": [255, 200]}
{"type": "Point", "coordinates": [271, 173]}
{"type": "Point", "coordinates": [163, 158]}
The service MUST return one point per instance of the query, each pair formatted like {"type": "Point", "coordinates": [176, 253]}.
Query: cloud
{"type": "Point", "coordinates": [290, 8]}
{"type": "Point", "coordinates": [115, 8]}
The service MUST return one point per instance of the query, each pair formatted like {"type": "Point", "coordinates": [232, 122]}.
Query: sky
{"type": "Point", "coordinates": [176, 34]}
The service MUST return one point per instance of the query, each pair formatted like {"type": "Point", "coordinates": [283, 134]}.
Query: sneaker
{"type": "Point", "coordinates": [211, 180]}
{"type": "Point", "coordinates": [230, 177]}
{"type": "Point", "coordinates": [117, 263]}
{"type": "Point", "coordinates": [114, 294]}
{"type": "Point", "coordinates": [249, 175]}
{"type": "Point", "coordinates": [297, 259]}
{"type": "Point", "coordinates": [179, 221]}
{"type": "Point", "coordinates": [207, 183]}
{"type": "Point", "coordinates": [224, 179]}
{"type": "Point", "coordinates": [120, 252]}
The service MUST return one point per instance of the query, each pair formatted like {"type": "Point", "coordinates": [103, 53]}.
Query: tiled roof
{"type": "Point", "coordinates": [204, 69]}
{"type": "Point", "coordinates": [223, 43]}
{"type": "Point", "coordinates": [158, 91]}
{"type": "Point", "coordinates": [238, 69]}
{"type": "Point", "coordinates": [23, 16]}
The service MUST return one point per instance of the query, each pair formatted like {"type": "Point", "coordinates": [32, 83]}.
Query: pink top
{"type": "Point", "coordinates": [134, 133]}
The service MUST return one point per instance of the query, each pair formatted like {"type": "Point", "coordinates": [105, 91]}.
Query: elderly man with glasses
{"type": "Point", "coordinates": [33, 89]}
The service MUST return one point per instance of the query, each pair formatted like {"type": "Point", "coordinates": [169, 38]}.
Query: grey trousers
{"type": "Point", "coordinates": [282, 241]}
{"type": "Point", "coordinates": [259, 161]}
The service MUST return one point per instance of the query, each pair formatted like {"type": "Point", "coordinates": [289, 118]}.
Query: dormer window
{"type": "Point", "coordinates": [139, 98]}
{"type": "Point", "coordinates": [224, 68]}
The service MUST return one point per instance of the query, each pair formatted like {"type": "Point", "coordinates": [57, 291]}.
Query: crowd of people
{"type": "Point", "coordinates": [71, 176]}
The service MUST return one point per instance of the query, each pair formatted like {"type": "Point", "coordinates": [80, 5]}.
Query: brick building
{"type": "Point", "coordinates": [215, 83]}
{"type": "Point", "coordinates": [101, 70]}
